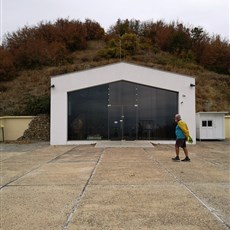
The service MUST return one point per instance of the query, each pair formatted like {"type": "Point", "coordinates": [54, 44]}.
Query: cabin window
{"type": "Point", "coordinates": [207, 123]}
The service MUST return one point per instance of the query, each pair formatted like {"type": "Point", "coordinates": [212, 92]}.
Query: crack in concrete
{"type": "Point", "coordinates": [81, 195]}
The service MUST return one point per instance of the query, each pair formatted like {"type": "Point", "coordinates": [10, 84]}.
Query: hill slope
{"type": "Point", "coordinates": [19, 95]}
{"type": "Point", "coordinates": [30, 56]}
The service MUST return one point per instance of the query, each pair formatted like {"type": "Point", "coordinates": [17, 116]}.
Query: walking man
{"type": "Point", "coordinates": [182, 134]}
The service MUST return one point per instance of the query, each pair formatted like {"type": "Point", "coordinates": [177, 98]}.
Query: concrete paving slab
{"type": "Point", "coordinates": [141, 207]}
{"type": "Point", "coordinates": [6, 155]}
{"type": "Point", "coordinates": [207, 175]}
{"type": "Point", "coordinates": [22, 147]}
{"type": "Point", "coordinates": [216, 195]}
{"type": "Point", "coordinates": [203, 172]}
{"type": "Point", "coordinates": [58, 174]}
{"type": "Point", "coordinates": [43, 197]}
{"type": "Point", "coordinates": [123, 155]}
{"type": "Point", "coordinates": [83, 187]}
{"type": "Point", "coordinates": [125, 166]}
{"type": "Point", "coordinates": [10, 171]}
{"type": "Point", "coordinates": [42, 153]}
{"type": "Point", "coordinates": [114, 173]}
{"type": "Point", "coordinates": [80, 155]}
{"type": "Point", "coordinates": [123, 144]}
{"type": "Point", "coordinates": [25, 162]}
{"type": "Point", "coordinates": [36, 207]}
{"type": "Point", "coordinates": [198, 169]}
{"type": "Point", "coordinates": [129, 173]}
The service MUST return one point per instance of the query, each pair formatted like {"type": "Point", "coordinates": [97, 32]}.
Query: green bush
{"type": "Point", "coordinates": [37, 105]}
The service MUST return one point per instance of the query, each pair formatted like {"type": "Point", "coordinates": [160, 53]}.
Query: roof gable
{"type": "Point", "coordinates": [118, 72]}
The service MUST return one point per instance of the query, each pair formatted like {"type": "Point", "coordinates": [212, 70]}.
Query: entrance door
{"type": "Point", "coordinates": [122, 122]}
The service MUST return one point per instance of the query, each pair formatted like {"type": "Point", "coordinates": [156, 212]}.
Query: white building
{"type": "Point", "coordinates": [120, 102]}
{"type": "Point", "coordinates": [210, 125]}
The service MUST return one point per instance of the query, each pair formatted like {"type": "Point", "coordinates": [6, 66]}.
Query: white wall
{"type": "Point", "coordinates": [58, 122]}
{"type": "Point", "coordinates": [198, 125]}
{"type": "Point", "coordinates": [116, 72]}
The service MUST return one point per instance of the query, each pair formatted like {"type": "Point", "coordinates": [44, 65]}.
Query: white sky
{"type": "Point", "coordinates": [211, 15]}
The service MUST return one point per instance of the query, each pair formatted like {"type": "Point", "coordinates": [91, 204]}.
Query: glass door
{"type": "Point", "coordinates": [115, 123]}
{"type": "Point", "coordinates": [122, 122]}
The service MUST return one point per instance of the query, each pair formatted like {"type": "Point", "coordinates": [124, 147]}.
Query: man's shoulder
{"type": "Point", "coordinates": [181, 122]}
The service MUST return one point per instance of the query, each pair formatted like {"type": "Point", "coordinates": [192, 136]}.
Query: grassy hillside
{"type": "Point", "coordinates": [32, 87]}
{"type": "Point", "coordinates": [30, 56]}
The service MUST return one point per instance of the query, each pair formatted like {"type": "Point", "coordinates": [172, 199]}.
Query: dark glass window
{"type": "Point", "coordinates": [204, 123]}
{"type": "Point", "coordinates": [121, 110]}
{"type": "Point", "coordinates": [87, 113]}
{"type": "Point", "coordinates": [209, 123]}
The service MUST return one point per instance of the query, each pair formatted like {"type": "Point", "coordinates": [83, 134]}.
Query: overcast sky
{"type": "Point", "coordinates": [211, 15]}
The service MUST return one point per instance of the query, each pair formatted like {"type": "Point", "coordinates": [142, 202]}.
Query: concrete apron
{"type": "Point", "coordinates": [108, 188]}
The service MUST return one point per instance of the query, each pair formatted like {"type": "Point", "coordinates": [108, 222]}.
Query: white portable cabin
{"type": "Point", "coordinates": [210, 125]}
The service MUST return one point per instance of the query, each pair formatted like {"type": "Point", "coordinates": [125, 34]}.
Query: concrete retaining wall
{"type": "Point", "coordinates": [25, 128]}
{"type": "Point", "coordinates": [227, 127]}
{"type": "Point", "coordinates": [13, 127]}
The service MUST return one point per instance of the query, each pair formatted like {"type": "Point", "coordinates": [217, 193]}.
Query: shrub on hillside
{"type": "Point", "coordinates": [37, 53]}
{"type": "Point", "coordinates": [7, 69]}
{"type": "Point", "coordinates": [37, 105]}
{"type": "Point", "coordinates": [93, 30]}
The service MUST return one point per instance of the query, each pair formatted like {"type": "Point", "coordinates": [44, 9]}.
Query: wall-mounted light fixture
{"type": "Point", "coordinates": [192, 85]}
{"type": "Point", "coordinates": [52, 86]}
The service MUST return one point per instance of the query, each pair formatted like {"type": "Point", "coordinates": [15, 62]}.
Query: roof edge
{"type": "Point", "coordinates": [123, 62]}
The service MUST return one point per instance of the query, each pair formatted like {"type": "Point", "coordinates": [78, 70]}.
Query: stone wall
{"type": "Point", "coordinates": [39, 129]}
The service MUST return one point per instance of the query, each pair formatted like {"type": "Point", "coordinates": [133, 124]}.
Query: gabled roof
{"type": "Point", "coordinates": [121, 71]}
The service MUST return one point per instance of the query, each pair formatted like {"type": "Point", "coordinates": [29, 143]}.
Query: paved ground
{"type": "Point", "coordinates": [83, 187]}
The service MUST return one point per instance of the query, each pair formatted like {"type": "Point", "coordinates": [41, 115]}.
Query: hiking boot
{"type": "Point", "coordinates": [176, 158]}
{"type": "Point", "coordinates": [186, 159]}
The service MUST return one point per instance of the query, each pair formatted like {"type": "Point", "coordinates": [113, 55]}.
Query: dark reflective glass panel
{"type": "Point", "coordinates": [122, 111]}
{"type": "Point", "coordinates": [122, 122]}
{"type": "Point", "coordinates": [88, 114]}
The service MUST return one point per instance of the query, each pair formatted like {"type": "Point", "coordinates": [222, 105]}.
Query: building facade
{"type": "Point", "coordinates": [119, 102]}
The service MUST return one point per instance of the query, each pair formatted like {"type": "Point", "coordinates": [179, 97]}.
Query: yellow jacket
{"type": "Point", "coordinates": [183, 126]}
